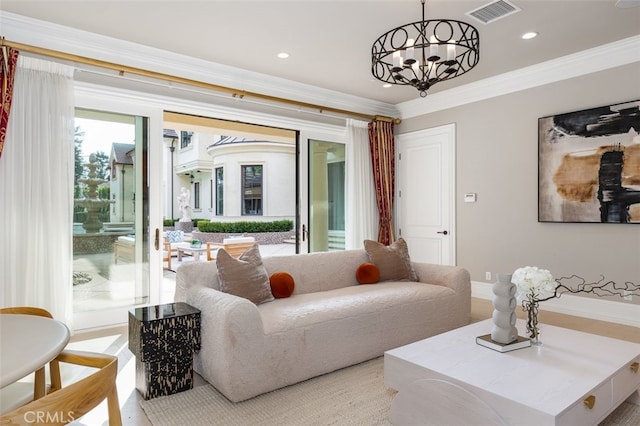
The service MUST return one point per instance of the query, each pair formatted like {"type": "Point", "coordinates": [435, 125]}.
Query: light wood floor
{"type": "Point", "coordinates": [482, 309]}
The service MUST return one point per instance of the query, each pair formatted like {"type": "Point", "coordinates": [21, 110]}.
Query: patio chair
{"type": "Point", "coordinates": [234, 246]}
{"type": "Point", "coordinates": [173, 237]}
{"type": "Point", "coordinates": [166, 255]}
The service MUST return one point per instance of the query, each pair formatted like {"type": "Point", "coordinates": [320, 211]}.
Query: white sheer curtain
{"type": "Point", "coordinates": [362, 213]}
{"type": "Point", "coordinates": [36, 190]}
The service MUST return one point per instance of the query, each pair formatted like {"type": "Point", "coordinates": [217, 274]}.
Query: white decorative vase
{"type": "Point", "coordinates": [504, 306]}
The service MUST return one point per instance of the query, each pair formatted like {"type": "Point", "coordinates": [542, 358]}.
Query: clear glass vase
{"type": "Point", "coordinates": [531, 309]}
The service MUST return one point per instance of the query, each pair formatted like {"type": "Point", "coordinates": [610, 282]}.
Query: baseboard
{"type": "Point", "coordinates": [585, 307]}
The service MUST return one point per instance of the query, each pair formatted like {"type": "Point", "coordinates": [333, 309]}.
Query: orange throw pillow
{"type": "Point", "coordinates": [282, 284]}
{"type": "Point", "coordinates": [368, 273]}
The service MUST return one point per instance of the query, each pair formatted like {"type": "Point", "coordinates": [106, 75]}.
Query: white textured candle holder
{"type": "Point", "coordinates": [504, 305]}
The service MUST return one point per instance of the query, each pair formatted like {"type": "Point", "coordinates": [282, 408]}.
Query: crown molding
{"type": "Point", "coordinates": [74, 41]}
{"type": "Point", "coordinates": [51, 36]}
{"type": "Point", "coordinates": [611, 55]}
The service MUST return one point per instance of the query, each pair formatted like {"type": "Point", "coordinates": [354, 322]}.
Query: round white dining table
{"type": "Point", "coordinates": [27, 342]}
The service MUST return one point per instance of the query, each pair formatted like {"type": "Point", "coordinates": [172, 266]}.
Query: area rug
{"type": "Point", "coordinates": [351, 396]}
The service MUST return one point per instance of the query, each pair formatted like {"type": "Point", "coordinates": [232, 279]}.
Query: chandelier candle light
{"type": "Point", "coordinates": [421, 54]}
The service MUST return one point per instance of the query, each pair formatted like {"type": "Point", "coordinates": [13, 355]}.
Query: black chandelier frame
{"type": "Point", "coordinates": [442, 49]}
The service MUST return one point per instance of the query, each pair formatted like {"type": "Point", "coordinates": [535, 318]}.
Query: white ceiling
{"type": "Point", "coordinates": [329, 42]}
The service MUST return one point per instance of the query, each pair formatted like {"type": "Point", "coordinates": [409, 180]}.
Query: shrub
{"type": "Point", "coordinates": [244, 226]}
{"type": "Point", "coordinates": [172, 222]}
{"type": "Point", "coordinates": [201, 222]}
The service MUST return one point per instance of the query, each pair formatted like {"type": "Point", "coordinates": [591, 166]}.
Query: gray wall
{"type": "Point", "coordinates": [497, 158]}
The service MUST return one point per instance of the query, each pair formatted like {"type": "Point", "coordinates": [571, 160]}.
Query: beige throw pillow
{"type": "Point", "coordinates": [244, 277]}
{"type": "Point", "coordinates": [393, 261]}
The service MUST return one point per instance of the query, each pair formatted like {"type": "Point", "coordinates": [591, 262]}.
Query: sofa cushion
{"type": "Point", "coordinates": [244, 277]}
{"type": "Point", "coordinates": [175, 236]}
{"type": "Point", "coordinates": [378, 306]}
{"type": "Point", "coordinates": [282, 284]}
{"type": "Point", "coordinates": [367, 273]}
{"type": "Point", "coordinates": [393, 261]}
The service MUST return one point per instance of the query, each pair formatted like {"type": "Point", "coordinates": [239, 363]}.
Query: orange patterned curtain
{"type": "Point", "coordinates": [382, 147]}
{"type": "Point", "coordinates": [9, 59]}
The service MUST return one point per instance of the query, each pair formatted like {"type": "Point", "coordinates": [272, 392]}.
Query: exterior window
{"type": "Point", "coordinates": [185, 139]}
{"type": "Point", "coordinates": [196, 195]}
{"type": "Point", "coordinates": [219, 191]}
{"type": "Point", "coordinates": [252, 190]}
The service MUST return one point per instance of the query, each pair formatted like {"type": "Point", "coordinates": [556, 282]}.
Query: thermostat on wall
{"type": "Point", "coordinates": [470, 198]}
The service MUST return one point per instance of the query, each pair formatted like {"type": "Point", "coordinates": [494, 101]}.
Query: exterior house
{"type": "Point", "coordinates": [253, 179]}
{"type": "Point", "coordinates": [122, 182]}
{"type": "Point", "coordinates": [186, 165]}
{"type": "Point", "coordinates": [230, 178]}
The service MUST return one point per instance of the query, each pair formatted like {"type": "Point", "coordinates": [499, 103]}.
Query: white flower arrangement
{"type": "Point", "coordinates": [533, 283]}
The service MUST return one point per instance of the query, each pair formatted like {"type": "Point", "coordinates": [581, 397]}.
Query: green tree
{"type": "Point", "coordinates": [103, 160]}
{"type": "Point", "coordinates": [78, 138]}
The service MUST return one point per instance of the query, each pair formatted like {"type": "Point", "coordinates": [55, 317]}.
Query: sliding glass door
{"type": "Point", "coordinates": [326, 196]}
{"type": "Point", "coordinates": [111, 216]}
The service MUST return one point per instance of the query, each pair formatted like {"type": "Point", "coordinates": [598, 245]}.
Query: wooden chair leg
{"type": "Point", "coordinates": [115, 419]}
{"type": "Point", "coordinates": [54, 370]}
{"type": "Point", "coordinates": [39, 385]}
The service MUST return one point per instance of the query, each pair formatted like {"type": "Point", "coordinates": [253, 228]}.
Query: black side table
{"type": "Point", "coordinates": [164, 338]}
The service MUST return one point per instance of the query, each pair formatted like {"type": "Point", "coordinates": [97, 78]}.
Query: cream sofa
{"type": "Point", "coordinates": [329, 322]}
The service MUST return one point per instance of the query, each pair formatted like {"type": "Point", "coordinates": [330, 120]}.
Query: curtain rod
{"type": "Point", "coordinates": [122, 69]}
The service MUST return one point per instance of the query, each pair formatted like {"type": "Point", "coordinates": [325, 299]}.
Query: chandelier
{"type": "Point", "coordinates": [424, 53]}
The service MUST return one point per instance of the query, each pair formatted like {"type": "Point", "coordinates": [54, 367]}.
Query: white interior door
{"type": "Point", "coordinates": [426, 193]}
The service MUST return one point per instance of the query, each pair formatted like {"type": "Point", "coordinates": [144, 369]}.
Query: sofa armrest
{"type": "Point", "coordinates": [229, 316]}
{"type": "Point", "coordinates": [454, 277]}
{"type": "Point", "coordinates": [192, 275]}
{"type": "Point", "coordinates": [231, 338]}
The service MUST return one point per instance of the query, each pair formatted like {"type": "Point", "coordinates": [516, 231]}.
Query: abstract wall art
{"type": "Point", "coordinates": [589, 165]}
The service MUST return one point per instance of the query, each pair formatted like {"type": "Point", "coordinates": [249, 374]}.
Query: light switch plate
{"type": "Point", "coordinates": [470, 198]}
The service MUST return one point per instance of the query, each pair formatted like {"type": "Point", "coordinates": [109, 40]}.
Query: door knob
{"type": "Point", "coordinates": [443, 232]}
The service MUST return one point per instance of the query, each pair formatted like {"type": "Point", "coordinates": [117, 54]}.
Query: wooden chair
{"type": "Point", "coordinates": [166, 254]}
{"type": "Point", "coordinates": [234, 249]}
{"type": "Point", "coordinates": [39, 385]}
{"type": "Point", "coordinates": [71, 402]}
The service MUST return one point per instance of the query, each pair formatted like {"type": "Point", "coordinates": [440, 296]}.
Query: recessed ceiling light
{"type": "Point", "coordinates": [283, 55]}
{"type": "Point", "coordinates": [529, 35]}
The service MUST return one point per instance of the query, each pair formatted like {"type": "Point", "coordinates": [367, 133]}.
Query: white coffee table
{"type": "Point", "coordinates": [540, 385]}
{"type": "Point", "coordinates": [188, 248]}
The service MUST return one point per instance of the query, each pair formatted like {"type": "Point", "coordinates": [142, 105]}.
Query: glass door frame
{"type": "Point", "coordinates": [110, 102]}
{"type": "Point", "coordinates": [339, 136]}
